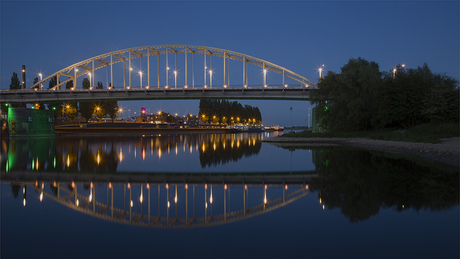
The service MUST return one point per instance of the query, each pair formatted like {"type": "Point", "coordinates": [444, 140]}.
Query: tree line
{"type": "Point", "coordinates": [71, 109]}
{"type": "Point", "coordinates": [362, 97]}
{"type": "Point", "coordinates": [223, 111]}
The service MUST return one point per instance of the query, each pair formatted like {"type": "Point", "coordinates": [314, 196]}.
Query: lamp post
{"type": "Point", "coordinates": [265, 77]}
{"type": "Point", "coordinates": [210, 78]}
{"type": "Point", "coordinates": [140, 75]}
{"type": "Point", "coordinates": [321, 72]}
{"type": "Point", "coordinates": [175, 78]}
{"type": "Point", "coordinates": [41, 78]}
{"type": "Point", "coordinates": [90, 84]}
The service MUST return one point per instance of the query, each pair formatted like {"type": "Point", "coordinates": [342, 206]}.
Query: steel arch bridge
{"type": "Point", "coordinates": [192, 88]}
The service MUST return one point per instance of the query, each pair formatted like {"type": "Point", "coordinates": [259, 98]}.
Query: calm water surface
{"type": "Point", "coordinates": [221, 195]}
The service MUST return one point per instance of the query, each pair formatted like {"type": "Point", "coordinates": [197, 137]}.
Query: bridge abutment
{"type": "Point", "coordinates": [30, 122]}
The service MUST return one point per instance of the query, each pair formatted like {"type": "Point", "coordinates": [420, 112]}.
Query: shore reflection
{"type": "Point", "coordinates": [104, 154]}
{"type": "Point", "coordinates": [359, 183]}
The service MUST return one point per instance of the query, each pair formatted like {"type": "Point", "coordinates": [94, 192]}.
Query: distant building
{"type": "Point", "coordinates": [153, 118]}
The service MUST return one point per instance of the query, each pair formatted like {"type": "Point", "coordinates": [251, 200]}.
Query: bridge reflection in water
{"type": "Point", "coordinates": [166, 205]}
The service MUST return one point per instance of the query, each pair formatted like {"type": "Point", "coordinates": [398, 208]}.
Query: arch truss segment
{"type": "Point", "coordinates": [88, 66]}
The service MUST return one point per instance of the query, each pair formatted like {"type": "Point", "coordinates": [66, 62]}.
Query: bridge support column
{"type": "Point", "coordinates": [74, 78]}
{"type": "Point", "coordinates": [148, 67]}
{"type": "Point", "coordinates": [92, 75]}
{"type": "Point", "coordinates": [111, 70]}
{"type": "Point", "coordinates": [130, 68]}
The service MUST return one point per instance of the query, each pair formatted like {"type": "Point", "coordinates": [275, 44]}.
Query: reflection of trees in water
{"type": "Point", "coordinates": [61, 154]}
{"type": "Point", "coordinates": [88, 155]}
{"type": "Point", "coordinates": [15, 187]}
{"type": "Point", "coordinates": [221, 149]}
{"type": "Point", "coordinates": [102, 154]}
{"type": "Point", "coordinates": [360, 182]}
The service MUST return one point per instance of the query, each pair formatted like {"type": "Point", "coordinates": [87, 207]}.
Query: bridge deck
{"type": "Point", "coordinates": [267, 93]}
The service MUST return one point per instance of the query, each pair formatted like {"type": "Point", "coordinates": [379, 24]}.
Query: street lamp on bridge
{"type": "Point", "coordinates": [140, 75]}
{"type": "Point", "coordinates": [210, 78]}
{"type": "Point", "coordinates": [175, 78]}
{"type": "Point", "coordinates": [90, 84]}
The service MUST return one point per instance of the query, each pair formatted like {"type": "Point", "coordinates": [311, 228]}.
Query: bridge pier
{"type": "Point", "coordinates": [30, 122]}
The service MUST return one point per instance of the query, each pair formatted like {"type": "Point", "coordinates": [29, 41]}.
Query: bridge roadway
{"type": "Point", "coordinates": [263, 93]}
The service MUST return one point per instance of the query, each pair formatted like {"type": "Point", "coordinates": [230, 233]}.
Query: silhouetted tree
{"type": "Point", "coordinates": [52, 83]}
{"type": "Point", "coordinates": [86, 109]}
{"type": "Point", "coordinates": [15, 83]}
{"type": "Point", "coordinates": [69, 85]}
{"type": "Point", "coordinates": [86, 84]}
{"type": "Point", "coordinates": [345, 101]}
{"type": "Point", "coordinates": [111, 108]}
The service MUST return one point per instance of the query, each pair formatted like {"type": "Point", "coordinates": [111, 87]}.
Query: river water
{"type": "Point", "coordinates": [221, 195]}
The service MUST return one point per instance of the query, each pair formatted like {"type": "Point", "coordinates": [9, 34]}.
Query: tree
{"type": "Point", "coordinates": [57, 107]}
{"type": "Point", "coordinates": [441, 105]}
{"type": "Point", "coordinates": [70, 109]}
{"type": "Point", "coordinates": [99, 110]}
{"type": "Point", "coordinates": [215, 119]}
{"type": "Point", "coordinates": [224, 108]}
{"type": "Point", "coordinates": [345, 101]}
{"type": "Point", "coordinates": [413, 96]}
{"type": "Point", "coordinates": [52, 83]}
{"type": "Point", "coordinates": [86, 109]}
{"type": "Point", "coordinates": [69, 85]}
{"type": "Point", "coordinates": [35, 81]}
{"type": "Point", "coordinates": [204, 118]}
{"type": "Point", "coordinates": [15, 83]}
{"type": "Point", "coordinates": [86, 84]}
{"type": "Point", "coordinates": [99, 85]}
{"type": "Point", "coordinates": [111, 108]}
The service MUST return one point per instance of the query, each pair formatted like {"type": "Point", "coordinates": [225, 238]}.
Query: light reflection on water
{"type": "Point", "coordinates": [157, 153]}
{"type": "Point", "coordinates": [362, 202]}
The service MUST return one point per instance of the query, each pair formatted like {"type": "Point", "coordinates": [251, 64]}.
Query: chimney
{"type": "Point", "coordinates": [23, 76]}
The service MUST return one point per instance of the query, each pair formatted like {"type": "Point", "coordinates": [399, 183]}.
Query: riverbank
{"type": "Point", "coordinates": [447, 151]}
{"type": "Point", "coordinates": [128, 129]}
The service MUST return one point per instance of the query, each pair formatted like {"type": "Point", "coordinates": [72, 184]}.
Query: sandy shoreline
{"type": "Point", "coordinates": [447, 151]}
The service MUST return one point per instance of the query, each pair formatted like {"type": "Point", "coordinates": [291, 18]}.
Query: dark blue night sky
{"type": "Point", "coordinates": [300, 36]}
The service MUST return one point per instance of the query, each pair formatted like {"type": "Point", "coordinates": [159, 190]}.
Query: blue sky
{"type": "Point", "coordinates": [298, 35]}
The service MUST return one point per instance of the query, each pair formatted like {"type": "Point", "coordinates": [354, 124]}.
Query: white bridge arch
{"type": "Point", "coordinates": [89, 66]}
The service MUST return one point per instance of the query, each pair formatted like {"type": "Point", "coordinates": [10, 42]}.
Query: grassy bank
{"type": "Point", "coordinates": [427, 133]}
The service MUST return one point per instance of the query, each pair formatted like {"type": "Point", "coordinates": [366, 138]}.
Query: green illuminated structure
{"type": "Point", "coordinates": [26, 122]}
